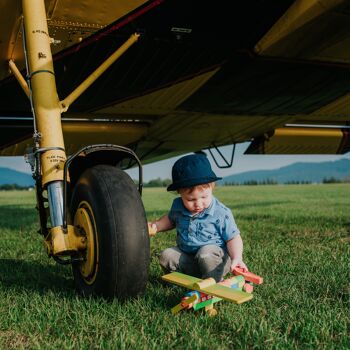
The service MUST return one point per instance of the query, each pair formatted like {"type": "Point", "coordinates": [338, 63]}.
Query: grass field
{"type": "Point", "coordinates": [296, 237]}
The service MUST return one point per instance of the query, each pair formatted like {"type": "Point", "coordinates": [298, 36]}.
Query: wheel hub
{"type": "Point", "coordinates": [85, 222]}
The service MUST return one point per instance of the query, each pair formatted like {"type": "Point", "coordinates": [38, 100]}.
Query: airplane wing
{"type": "Point", "coordinates": [207, 287]}
{"type": "Point", "coordinates": [202, 74]}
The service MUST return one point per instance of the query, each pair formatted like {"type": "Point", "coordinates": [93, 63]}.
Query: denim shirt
{"type": "Point", "coordinates": [214, 225]}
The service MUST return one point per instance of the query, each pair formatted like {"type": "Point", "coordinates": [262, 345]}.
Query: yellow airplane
{"type": "Point", "coordinates": [90, 88]}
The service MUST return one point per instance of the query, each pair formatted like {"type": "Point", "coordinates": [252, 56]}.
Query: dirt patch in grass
{"type": "Point", "coordinates": [13, 340]}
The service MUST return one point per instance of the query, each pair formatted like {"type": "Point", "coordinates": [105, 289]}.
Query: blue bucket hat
{"type": "Point", "coordinates": [190, 171]}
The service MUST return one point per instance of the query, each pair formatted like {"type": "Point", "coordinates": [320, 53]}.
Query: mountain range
{"type": "Point", "coordinates": [10, 176]}
{"type": "Point", "coordinates": [297, 172]}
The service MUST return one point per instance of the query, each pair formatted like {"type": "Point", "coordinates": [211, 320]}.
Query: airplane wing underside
{"type": "Point", "coordinates": [201, 74]}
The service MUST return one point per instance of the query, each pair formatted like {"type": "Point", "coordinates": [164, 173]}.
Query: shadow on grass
{"type": "Point", "coordinates": [163, 295]}
{"type": "Point", "coordinates": [37, 277]}
{"type": "Point", "coordinates": [347, 226]}
{"type": "Point", "coordinates": [15, 217]}
{"type": "Point", "coordinates": [34, 276]}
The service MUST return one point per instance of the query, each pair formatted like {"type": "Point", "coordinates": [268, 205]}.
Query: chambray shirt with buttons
{"type": "Point", "coordinates": [214, 225]}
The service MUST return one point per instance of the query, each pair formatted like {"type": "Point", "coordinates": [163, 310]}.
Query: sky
{"type": "Point", "coordinates": [241, 163]}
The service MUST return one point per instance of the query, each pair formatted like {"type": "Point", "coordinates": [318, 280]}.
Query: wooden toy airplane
{"type": "Point", "coordinates": [237, 289]}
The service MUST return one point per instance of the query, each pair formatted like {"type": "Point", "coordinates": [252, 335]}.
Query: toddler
{"type": "Point", "coordinates": [208, 240]}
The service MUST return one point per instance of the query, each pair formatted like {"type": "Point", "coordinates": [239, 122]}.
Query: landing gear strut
{"type": "Point", "coordinates": [104, 232]}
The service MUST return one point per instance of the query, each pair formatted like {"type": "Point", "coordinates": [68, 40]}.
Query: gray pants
{"type": "Point", "coordinates": [209, 261]}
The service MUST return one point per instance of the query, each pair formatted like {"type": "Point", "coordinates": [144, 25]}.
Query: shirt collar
{"type": "Point", "coordinates": [211, 209]}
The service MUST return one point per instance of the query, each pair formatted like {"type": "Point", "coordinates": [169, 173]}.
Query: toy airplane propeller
{"type": "Point", "coordinates": [237, 289]}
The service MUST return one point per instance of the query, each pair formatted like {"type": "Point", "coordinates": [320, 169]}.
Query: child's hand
{"type": "Point", "coordinates": [240, 264]}
{"type": "Point", "coordinates": [152, 228]}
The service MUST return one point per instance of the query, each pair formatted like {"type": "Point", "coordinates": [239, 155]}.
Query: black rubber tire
{"type": "Point", "coordinates": [122, 234]}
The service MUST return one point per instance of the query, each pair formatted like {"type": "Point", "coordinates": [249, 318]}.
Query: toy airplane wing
{"type": "Point", "coordinates": [207, 286]}
{"type": "Point", "coordinates": [181, 279]}
{"type": "Point", "coordinates": [227, 293]}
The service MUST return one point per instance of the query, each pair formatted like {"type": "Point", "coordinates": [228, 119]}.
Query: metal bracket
{"type": "Point", "coordinates": [228, 164]}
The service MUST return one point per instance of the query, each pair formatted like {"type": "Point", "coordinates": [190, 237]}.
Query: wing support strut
{"type": "Point", "coordinates": [228, 164]}
{"type": "Point", "coordinates": [15, 71]}
{"type": "Point", "coordinates": [97, 73]}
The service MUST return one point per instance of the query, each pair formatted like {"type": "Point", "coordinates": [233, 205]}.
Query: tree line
{"type": "Point", "coordinates": [166, 182]}
{"type": "Point", "coordinates": [269, 181]}
{"type": "Point", "coordinates": [14, 187]}
{"type": "Point", "coordinates": [326, 180]}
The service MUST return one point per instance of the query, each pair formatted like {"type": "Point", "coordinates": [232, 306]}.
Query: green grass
{"type": "Point", "coordinates": [296, 237]}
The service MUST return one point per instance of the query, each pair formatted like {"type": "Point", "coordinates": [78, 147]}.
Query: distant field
{"type": "Point", "coordinates": [297, 237]}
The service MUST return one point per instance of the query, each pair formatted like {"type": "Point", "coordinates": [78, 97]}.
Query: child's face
{"type": "Point", "coordinates": [197, 200]}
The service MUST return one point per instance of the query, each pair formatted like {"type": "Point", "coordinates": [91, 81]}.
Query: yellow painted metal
{"type": "Point", "coordinates": [19, 78]}
{"type": "Point", "coordinates": [304, 141]}
{"type": "Point", "coordinates": [80, 134]}
{"type": "Point", "coordinates": [88, 13]}
{"type": "Point", "coordinates": [337, 111]}
{"type": "Point", "coordinates": [314, 30]}
{"type": "Point", "coordinates": [10, 39]}
{"type": "Point", "coordinates": [59, 243]}
{"type": "Point", "coordinates": [161, 101]}
{"type": "Point", "coordinates": [302, 132]}
{"type": "Point", "coordinates": [97, 73]}
{"type": "Point", "coordinates": [84, 221]}
{"type": "Point", "coordinates": [298, 15]}
{"type": "Point", "coordinates": [45, 99]}
{"type": "Point", "coordinates": [69, 23]}
{"type": "Point", "coordinates": [178, 132]}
